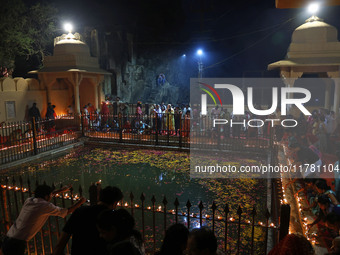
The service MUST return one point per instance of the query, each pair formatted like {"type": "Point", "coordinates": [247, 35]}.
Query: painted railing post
{"type": "Point", "coordinates": [29, 187]}
{"type": "Point", "coordinates": [93, 194]}
{"type": "Point", "coordinates": [284, 221]}
{"type": "Point", "coordinates": [239, 213]}
{"type": "Point", "coordinates": [8, 200]}
{"type": "Point", "coordinates": [213, 207]}
{"type": "Point", "coordinates": [165, 202]}
{"type": "Point", "coordinates": [56, 217]}
{"type": "Point", "coordinates": [35, 147]}
{"type": "Point", "coordinates": [22, 190]}
{"type": "Point", "coordinates": [6, 219]}
{"type": "Point", "coordinates": [80, 191]}
{"type": "Point", "coordinates": [180, 131]}
{"type": "Point", "coordinates": [266, 238]}
{"type": "Point", "coordinates": [131, 202]}
{"type": "Point", "coordinates": [120, 126]}
{"type": "Point", "coordinates": [156, 127]}
{"type": "Point", "coordinates": [176, 204]}
{"type": "Point", "coordinates": [63, 205]}
{"type": "Point", "coordinates": [188, 205]}
{"type": "Point", "coordinates": [15, 197]}
{"type": "Point", "coordinates": [82, 125]}
{"type": "Point", "coordinates": [142, 198]}
{"type": "Point", "coordinates": [168, 130]}
{"type": "Point", "coordinates": [218, 138]}
{"type": "Point", "coordinates": [253, 214]}
{"type": "Point", "coordinates": [226, 211]}
{"type": "Point", "coordinates": [153, 201]}
{"type": "Point", "coordinates": [201, 206]}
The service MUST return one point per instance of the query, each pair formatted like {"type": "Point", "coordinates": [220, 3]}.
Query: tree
{"type": "Point", "coordinates": [26, 30]}
{"type": "Point", "coordinates": [41, 21]}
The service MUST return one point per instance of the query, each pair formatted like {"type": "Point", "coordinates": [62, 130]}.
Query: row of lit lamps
{"type": "Point", "coordinates": [126, 204]}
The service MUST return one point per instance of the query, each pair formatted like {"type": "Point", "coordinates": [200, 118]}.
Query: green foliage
{"type": "Point", "coordinates": [25, 30]}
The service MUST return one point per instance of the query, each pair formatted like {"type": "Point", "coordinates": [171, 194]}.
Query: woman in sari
{"type": "Point", "coordinates": [170, 119]}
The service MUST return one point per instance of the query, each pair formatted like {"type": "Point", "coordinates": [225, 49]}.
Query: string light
{"type": "Point", "coordinates": [159, 208]}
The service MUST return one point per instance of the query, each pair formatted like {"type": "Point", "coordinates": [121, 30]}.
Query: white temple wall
{"type": "Point", "coordinates": [17, 95]}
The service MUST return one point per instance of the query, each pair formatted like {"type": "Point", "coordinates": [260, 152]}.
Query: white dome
{"type": "Point", "coordinates": [315, 31]}
{"type": "Point", "coordinates": [70, 46]}
{"type": "Point", "coordinates": [314, 44]}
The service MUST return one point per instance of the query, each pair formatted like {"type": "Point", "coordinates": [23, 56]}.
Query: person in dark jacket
{"type": "Point", "coordinates": [34, 112]}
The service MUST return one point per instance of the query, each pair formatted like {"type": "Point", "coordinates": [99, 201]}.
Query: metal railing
{"type": "Point", "coordinates": [229, 226]}
{"type": "Point", "coordinates": [21, 139]}
{"type": "Point", "coordinates": [177, 130]}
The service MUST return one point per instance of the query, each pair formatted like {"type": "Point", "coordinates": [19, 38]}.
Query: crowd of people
{"type": "Point", "coordinates": [99, 229]}
{"type": "Point", "coordinates": [103, 229]}
{"type": "Point", "coordinates": [169, 119]}
{"type": "Point", "coordinates": [313, 146]}
{"type": "Point", "coordinates": [144, 119]}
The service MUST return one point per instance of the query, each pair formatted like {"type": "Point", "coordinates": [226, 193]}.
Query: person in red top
{"type": "Point", "coordinates": [127, 127]}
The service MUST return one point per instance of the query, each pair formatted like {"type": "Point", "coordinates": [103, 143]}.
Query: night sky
{"type": "Point", "coordinates": [244, 35]}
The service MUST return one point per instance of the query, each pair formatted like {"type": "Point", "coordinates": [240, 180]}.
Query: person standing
{"type": "Point", "coordinates": [92, 113]}
{"type": "Point", "coordinates": [50, 112]}
{"type": "Point", "coordinates": [170, 120]}
{"type": "Point", "coordinates": [123, 110]}
{"type": "Point", "coordinates": [50, 115]}
{"type": "Point", "coordinates": [178, 119]}
{"type": "Point", "coordinates": [186, 127]}
{"type": "Point", "coordinates": [117, 228]}
{"type": "Point", "coordinates": [86, 116]}
{"type": "Point", "coordinates": [158, 118]}
{"type": "Point", "coordinates": [116, 104]}
{"type": "Point", "coordinates": [34, 112]}
{"type": "Point", "coordinates": [202, 241]}
{"type": "Point", "coordinates": [305, 157]}
{"type": "Point", "coordinates": [82, 225]}
{"type": "Point", "coordinates": [322, 135]}
{"type": "Point", "coordinates": [175, 240]}
{"type": "Point", "coordinates": [32, 218]}
{"type": "Point", "coordinates": [70, 111]}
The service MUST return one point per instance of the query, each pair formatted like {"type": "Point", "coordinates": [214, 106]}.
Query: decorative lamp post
{"type": "Point", "coordinates": [200, 63]}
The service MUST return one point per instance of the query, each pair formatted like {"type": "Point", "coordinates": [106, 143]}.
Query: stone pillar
{"type": "Point", "coordinates": [76, 78]}
{"type": "Point", "coordinates": [47, 81]}
{"type": "Point", "coordinates": [76, 99]}
{"type": "Point", "coordinates": [100, 95]}
{"type": "Point", "coordinates": [96, 96]}
{"type": "Point", "coordinates": [328, 96]}
{"type": "Point", "coordinates": [289, 78]}
{"type": "Point", "coordinates": [336, 97]}
{"type": "Point", "coordinates": [328, 86]}
{"type": "Point", "coordinates": [335, 76]}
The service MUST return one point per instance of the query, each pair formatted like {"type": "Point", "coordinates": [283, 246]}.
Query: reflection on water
{"type": "Point", "coordinates": [159, 173]}
{"type": "Point", "coordinates": [84, 166]}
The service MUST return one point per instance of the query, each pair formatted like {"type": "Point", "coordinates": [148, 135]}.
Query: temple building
{"type": "Point", "coordinates": [70, 77]}
{"type": "Point", "coordinates": [72, 69]}
{"type": "Point", "coordinates": [314, 49]}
